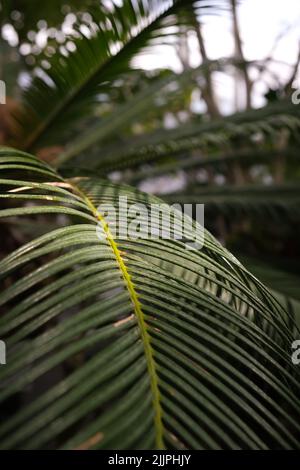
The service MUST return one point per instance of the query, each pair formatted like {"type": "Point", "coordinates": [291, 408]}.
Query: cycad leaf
{"type": "Point", "coordinates": [134, 343]}
{"type": "Point", "coordinates": [284, 284]}
{"type": "Point", "coordinates": [66, 91]}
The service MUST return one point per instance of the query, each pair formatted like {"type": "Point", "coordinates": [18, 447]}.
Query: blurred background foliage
{"type": "Point", "coordinates": [86, 92]}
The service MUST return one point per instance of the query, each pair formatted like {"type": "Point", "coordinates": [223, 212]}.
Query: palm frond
{"type": "Point", "coordinates": [283, 284]}
{"type": "Point", "coordinates": [274, 277]}
{"type": "Point", "coordinates": [264, 201]}
{"type": "Point", "coordinates": [134, 343]}
{"type": "Point", "coordinates": [123, 115]}
{"type": "Point", "coordinates": [65, 92]}
{"type": "Point", "coordinates": [208, 137]}
{"type": "Point", "coordinates": [222, 161]}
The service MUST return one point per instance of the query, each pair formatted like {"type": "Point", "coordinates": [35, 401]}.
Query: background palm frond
{"type": "Point", "coordinates": [66, 89]}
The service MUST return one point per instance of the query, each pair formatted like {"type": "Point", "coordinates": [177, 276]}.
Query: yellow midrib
{"type": "Point", "coordinates": [140, 318]}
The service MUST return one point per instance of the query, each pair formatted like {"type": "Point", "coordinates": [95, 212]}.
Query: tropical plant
{"type": "Point", "coordinates": [118, 342]}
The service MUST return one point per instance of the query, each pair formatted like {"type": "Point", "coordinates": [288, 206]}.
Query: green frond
{"type": "Point", "coordinates": [116, 342]}
{"type": "Point", "coordinates": [207, 137]}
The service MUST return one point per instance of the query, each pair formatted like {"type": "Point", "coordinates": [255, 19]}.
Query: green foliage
{"type": "Point", "coordinates": [126, 343]}
{"type": "Point", "coordinates": [101, 55]}
{"type": "Point", "coordinates": [135, 351]}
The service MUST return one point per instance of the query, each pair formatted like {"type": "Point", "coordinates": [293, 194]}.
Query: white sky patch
{"type": "Point", "coordinates": [263, 20]}
{"type": "Point", "coordinates": [261, 23]}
